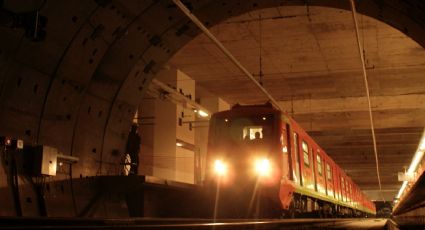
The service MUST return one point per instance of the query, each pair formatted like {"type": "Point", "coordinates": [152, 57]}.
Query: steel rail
{"type": "Point", "coordinates": [159, 223]}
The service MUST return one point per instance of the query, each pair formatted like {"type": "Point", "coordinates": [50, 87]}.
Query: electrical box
{"type": "Point", "coordinates": [45, 160]}
{"type": "Point", "coordinates": [404, 176]}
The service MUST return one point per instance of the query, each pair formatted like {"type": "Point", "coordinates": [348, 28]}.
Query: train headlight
{"type": "Point", "coordinates": [220, 168]}
{"type": "Point", "coordinates": [262, 167]}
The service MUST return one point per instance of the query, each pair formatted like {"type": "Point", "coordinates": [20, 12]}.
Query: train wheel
{"type": "Point", "coordinates": [290, 213]}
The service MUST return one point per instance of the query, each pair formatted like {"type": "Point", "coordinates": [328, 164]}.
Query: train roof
{"type": "Point", "coordinates": [242, 109]}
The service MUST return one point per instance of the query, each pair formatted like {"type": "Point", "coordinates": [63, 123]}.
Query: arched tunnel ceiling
{"type": "Point", "coordinates": [311, 64]}
{"type": "Point", "coordinates": [77, 88]}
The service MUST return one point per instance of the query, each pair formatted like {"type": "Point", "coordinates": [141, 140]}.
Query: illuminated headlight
{"type": "Point", "coordinates": [220, 168]}
{"type": "Point", "coordinates": [262, 167]}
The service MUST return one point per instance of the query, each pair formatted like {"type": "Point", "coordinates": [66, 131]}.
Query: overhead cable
{"type": "Point", "coordinates": [375, 149]}
{"type": "Point", "coordinates": [198, 23]}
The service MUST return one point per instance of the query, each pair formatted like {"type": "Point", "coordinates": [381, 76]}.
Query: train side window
{"type": "Point", "coordinates": [306, 154]}
{"type": "Point", "coordinates": [328, 172]}
{"type": "Point", "coordinates": [319, 164]}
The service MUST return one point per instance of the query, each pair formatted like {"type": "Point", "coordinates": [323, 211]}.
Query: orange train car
{"type": "Point", "coordinates": [260, 162]}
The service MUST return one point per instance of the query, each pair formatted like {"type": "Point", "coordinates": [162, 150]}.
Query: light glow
{"type": "Point", "coordinates": [262, 167]}
{"type": "Point", "coordinates": [413, 166]}
{"type": "Point", "coordinates": [415, 162]}
{"type": "Point", "coordinates": [422, 146]}
{"type": "Point", "coordinates": [179, 144]}
{"type": "Point", "coordinates": [202, 113]}
{"type": "Point", "coordinates": [400, 192]}
{"type": "Point", "coordinates": [220, 168]}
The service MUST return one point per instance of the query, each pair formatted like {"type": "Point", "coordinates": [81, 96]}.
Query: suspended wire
{"type": "Point", "coordinates": [353, 10]}
{"type": "Point", "coordinates": [232, 58]}
{"type": "Point", "coordinates": [261, 47]}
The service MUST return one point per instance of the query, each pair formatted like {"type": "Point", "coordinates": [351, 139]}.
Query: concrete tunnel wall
{"type": "Point", "coordinates": [78, 89]}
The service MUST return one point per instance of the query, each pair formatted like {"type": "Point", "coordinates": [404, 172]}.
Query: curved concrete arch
{"type": "Point", "coordinates": [77, 90]}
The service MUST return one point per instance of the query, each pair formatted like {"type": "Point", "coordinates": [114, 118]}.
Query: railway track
{"type": "Point", "coordinates": [148, 223]}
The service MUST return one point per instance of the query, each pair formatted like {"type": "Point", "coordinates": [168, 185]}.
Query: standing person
{"type": "Point", "coordinates": [133, 148]}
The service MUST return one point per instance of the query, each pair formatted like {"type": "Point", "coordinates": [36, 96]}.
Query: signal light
{"type": "Point", "coordinates": [8, 142]}
{"type": "Point", "coordinates": [202, 113]}
{"type": "Point", "coordinates": [11, 143]}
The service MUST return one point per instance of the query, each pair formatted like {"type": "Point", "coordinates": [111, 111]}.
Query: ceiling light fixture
{"type": "Point", "coordinates": [417, 158]}
{"type": "Point", "coordinates": [202, 113]}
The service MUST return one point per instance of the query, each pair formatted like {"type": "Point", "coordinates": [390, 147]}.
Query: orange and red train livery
{"type": "Point", "coordinates": [262, 163]}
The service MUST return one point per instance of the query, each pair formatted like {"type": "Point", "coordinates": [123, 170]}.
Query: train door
{"type": "Point", "coordinates": [287, 164]}
{"type": "Point", "coordinates": [321, 180]}
{"type": "Point", "coordinates": [297, 177]}
{"type": "Point", "coordinates": [306, 171]}
{"type": "Point", "coordinates": [330, 186]}
{"type": "Point", "coordinates": [344, 195]}
{"type": "Point", "coordinates": [338, 184]}
{"type": "Point", "coordinates": [314, 168]}
{"type": "Point", "coordinates": [288, 146]}
{"type": "Point", "coordinates": [326, 176]}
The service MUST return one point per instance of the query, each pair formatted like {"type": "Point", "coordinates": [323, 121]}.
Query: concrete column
{"type": "Point", "coordinates": [185, 132]}
{"type": "Point", "coordinates": [163, 125]}
{"type": "Point", "coordinates": [174, 140]}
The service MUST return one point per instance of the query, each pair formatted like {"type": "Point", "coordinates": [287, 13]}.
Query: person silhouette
{"type": "Point", "coordinates": [133, 148]}
{"type": "Point", "coordinates": [257, 135]}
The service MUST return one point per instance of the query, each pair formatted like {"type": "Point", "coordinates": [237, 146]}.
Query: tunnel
{"type": "Point", "coordinates": [74, 73]}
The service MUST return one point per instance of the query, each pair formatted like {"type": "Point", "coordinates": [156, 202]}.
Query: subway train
{"type": "Point", "coordinates": [261, 163]}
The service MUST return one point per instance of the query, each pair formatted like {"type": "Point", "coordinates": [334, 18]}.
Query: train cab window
{"type": "Point", "coordinates": [319, 164]}
{"type": "Point", "coordinates": [253, 132]}
{"type": "Point", "coordinates": [306, 154]}
{"type": "Point", "coordinates": [328, 172]}
{"type": "Point", "coordinates": [238, 129]}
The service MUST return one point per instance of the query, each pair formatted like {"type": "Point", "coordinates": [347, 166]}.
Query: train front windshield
{"type": "Point", "coordinates": [241, 146]}
{"type": "Point", "coordinates": [235, 132]}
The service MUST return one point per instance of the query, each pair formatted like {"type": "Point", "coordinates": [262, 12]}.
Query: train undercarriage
{"type": "Point", "coordinates": [303, 206]}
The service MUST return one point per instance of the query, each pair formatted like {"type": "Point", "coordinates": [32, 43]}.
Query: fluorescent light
{"type": "Point", "coordinates": [400, 192]}
{"type": "Point", "coordinates": [413, 166]}
{"type": "Point", "coordinates": [415, 162]}
{"type": "Point", "coordinates": [422, 147]}
{"type": "Point", "coordinates": [202, 113]}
